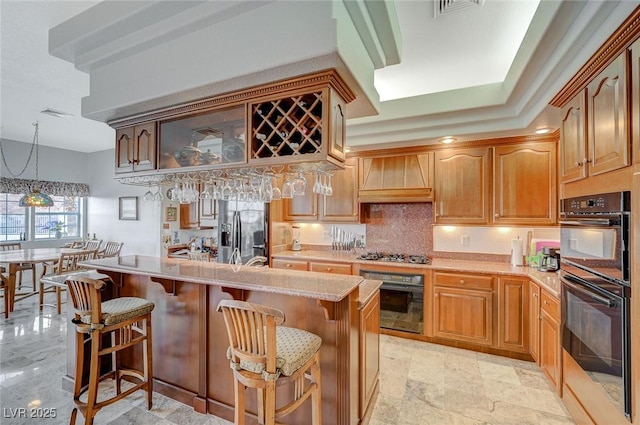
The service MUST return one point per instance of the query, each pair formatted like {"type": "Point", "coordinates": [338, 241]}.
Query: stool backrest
{"type": "Point", "coordinates": [111, 249]}
{"type": "Point", "coordinates": [69, 260]}
{"type": "Point", "coordinates": [10, 246]}
{"type": "Point", "coordinates": [199, 256]}
{"type": "Point", "coordinates": [251, 329]}
{"type": "Point", "coordinates": [85, 295]}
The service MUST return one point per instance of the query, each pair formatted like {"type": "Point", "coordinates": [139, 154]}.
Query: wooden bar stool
{"type": "Point", "coordinates": [264, 356]}
{"type": "Point", "coordinates": [128, 321]}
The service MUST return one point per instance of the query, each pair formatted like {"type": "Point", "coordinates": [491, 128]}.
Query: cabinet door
{"type": "Point", "coordinates": [208, 208]}
{"type": "Point", "coordinates": [607, 123]}
{"type": "Point", "coordinates": [534, 321]}
{"type": "Point", "coordinates": [463, 315]}
{"type": "Point", "coordinates": [462, 186]}
{"type": "Point", "coordinates": [145, 147]}
{"type": "Point", "coordinates": [369, 363]}
{"type": "Point", "coordinates": [301, 208]}
{"type": "Point", "coordinates": [550, 349]}
{"type": "Point", "coordinates": [573, 142]}
{"type": "Point", "coordinates": [189, 216]}
{"type": "Point", "coordinates": [342, 206]}
{"type": "Point", "coordinates": [289, 264]}
{"type": "Point", "coordinates": [124, 150]}
{"type": "Point", "coordinates": [635, 99]}
{"type": "Point", "coordinates": [524, 184]}
{"type": "Point", "coordinates": [513, 314]}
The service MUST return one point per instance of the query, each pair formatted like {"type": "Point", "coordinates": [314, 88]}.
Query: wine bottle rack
{"type": "Point", "coordinates": [288, 126]}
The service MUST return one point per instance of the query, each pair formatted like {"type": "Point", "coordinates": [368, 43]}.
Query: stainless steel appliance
{"type": "Point", "coordinates": [242, 225]}
{"type": "Point", "coordinates": [550, 261]}
{"type": "Point", "coordinates": [401, 300]}
{"type": "Point", "coordinates": [596, 290]}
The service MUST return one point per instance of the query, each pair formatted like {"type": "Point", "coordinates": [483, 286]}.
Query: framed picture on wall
{"type": "Point", "coordinates": [170, 214]}
{"type": "Point", "coordinates": [128, 208]}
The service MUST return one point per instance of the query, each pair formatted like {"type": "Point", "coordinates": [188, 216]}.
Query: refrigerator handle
{"type": "Point", "coordinates": [236, 231]}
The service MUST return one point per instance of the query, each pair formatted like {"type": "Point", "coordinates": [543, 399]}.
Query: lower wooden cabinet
{"type": "Point", "coordinates": [463, 307]}
{"type": "Point", "coordinates": [544, 330]}
{"type": "Point", "coordinates": [324, 267]}
{"type": "Point", "coordinates": [290, 264]}
{"type": "Point", "coordinates": [369, 364]}
{"type": "Point", "coordinates": [513, 314]}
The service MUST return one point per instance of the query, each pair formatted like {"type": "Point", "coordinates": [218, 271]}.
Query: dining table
{"type": "Point", "coordinates": [25, 256]}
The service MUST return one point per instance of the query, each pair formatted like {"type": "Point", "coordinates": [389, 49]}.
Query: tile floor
{"type": "Point", "coordinates": [420, 383]}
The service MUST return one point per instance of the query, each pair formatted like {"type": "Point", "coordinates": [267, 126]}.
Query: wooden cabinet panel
{"type": "Point", "coordinates": [573, 132]}
{"type": "Point", "coordinates": [513, 314]}
{"type": "Point", "coordinates": [608, 121]}
{"type": "Point", "coordinates": [290, 264]}
{"type": "Point", "coordinates": [342, 206]}
{"type": "Point", "coordinates": [550, 349]}
{"type": "Point", "coordinates": [400, 178]}
{"type": "Point", "coordinates": [189, 218]}
{"type": "Point", "coordinates": [463, 315]}
{"type": "Point", "coordinates": [462, 179]}
{"type": "Point", "coordinates": [336, 268]}
{"type": "Point", "coordinates": [550, 305]}
{"type": "Point", "coordinates": [635, 100]}
{"type": "Point", "coordinates": [524, 184]}
{"type": "Point", "coordinates": [136, 148]}
{"type": "Point", "coordinates": [534, 321]}
{"type": "Point", "coordinates": [460, 280]}
{"type": "Point", "coordinates": [369, 364]}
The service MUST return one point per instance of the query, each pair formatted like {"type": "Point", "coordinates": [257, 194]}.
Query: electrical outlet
{"type": "Point", "coordinates": [464, 240]}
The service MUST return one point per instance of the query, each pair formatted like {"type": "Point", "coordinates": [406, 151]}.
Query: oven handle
{"type": "Point", "coordinates": [587, 222]}
{"type": "Point", "coordinates": [606, 301]}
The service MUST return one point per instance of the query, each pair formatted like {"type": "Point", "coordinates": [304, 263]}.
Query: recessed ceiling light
{"type": "Point", "coordinates": [543, 130]}
{"type": "Point", "coordinates": [448, 139]}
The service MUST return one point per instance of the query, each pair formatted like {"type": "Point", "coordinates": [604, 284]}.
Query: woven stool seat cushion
{"type": "Point", "coordinates": [293, 348]}
{"type": "Point", "coordinates": [120, 309]}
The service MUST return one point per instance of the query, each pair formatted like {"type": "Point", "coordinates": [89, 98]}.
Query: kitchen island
{"type": "Point", "coordinates": [190, 339]}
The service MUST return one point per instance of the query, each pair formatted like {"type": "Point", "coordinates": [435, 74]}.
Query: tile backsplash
{"type": "Point", "coordinates": [401, 228]}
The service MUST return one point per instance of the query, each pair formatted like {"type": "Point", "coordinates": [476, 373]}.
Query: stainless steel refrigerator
{"type": "Point", "coordinates": [242, 225]}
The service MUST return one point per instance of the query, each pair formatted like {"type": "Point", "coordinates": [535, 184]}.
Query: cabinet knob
{"type": "Point", "coordinates": [436, 295]}
{"type": "Point", "coordinates": [462, 281]}
{"type": "Point", "coordinates": [329, 269]}
{"type": "Point", "coordinates": [535, 295]}
{"type": "Point", "coordinates": [586, 161]}
{"type": "Point", "coordinates": [578, 164]}
{"type": "Point", "coordinates": [539, 317]}
{"type": "Point", "coordinates": [545, 302]}
{"type": "Point", "coordinates": [497, 216]}
{"type": "Point", "coordinates": [289, 265]}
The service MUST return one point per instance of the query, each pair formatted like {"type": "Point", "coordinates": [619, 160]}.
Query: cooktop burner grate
{"type": "Point", "coordinates": [395, 258]}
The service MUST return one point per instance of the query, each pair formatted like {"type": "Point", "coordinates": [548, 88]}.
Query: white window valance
{"type": "Point", "coordinates": [18, 186]}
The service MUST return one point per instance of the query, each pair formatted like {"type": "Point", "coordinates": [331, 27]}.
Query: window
{"type": "Point", "coordinates": [63, 219]}
{"type": "Point", "coordinates": [13, 218]}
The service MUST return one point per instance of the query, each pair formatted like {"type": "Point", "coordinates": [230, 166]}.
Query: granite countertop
{"type": "Point", "coordinates": [321, 286]}
{"type": "Point", "coordinates": [549, 280]}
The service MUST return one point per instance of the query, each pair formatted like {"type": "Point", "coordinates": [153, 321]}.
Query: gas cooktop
{"type": "Point", "coordinates": [395, 258]}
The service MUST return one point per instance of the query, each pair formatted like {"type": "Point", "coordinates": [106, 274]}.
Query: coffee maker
{"type": "Point", "coordinates": [550, 261]}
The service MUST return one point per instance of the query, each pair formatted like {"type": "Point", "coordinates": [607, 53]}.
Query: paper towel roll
{"type": "Point", "coordinates": [517, 253]}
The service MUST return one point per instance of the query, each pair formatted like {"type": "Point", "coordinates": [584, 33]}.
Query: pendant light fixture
{"type": "Point", "coordinates": [34, 198]}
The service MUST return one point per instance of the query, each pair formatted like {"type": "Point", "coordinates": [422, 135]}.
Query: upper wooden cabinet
{"type": "Point", "coordinates": [573, 133]}
{"type": "Point", "coordinates": [608, 118]}
{"type": "Point", "coordinates": [399, 178]}
{"type": "Point", "coordinates": [635, 99]}
{"type": "Point", "coordinates": [524, 184]}
{"type": "Point", "coordinates": [342, 206]}
{"type": "Point", "coordinates": [462, 184]}
{"type": "Point", "coordinates": [136, 148]}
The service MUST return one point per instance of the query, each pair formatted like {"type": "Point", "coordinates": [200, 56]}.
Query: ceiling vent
{"type": "Point", "coordinates": [443, 7]}
{"type": "Point", "coordinates": [54, 113]}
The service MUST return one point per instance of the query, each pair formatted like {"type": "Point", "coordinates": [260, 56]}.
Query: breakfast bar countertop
{"type": "Point", "coordinates": [321, 286]}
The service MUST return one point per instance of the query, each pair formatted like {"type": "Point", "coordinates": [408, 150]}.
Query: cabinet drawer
{"type": "Point", "coordinates": [463, 280]}
{"type": "Point", "coordinates": [550, 305]}
{"type": "Point", "coordinates": [330, 268]}
{"type": "Point", "coordinates": [290, 264]}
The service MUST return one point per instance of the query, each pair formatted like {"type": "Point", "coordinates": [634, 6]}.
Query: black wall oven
{"type": "Point", "coordinates": [595, 276]}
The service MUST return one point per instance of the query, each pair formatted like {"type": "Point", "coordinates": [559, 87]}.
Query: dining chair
{"type": "Point", "coordinates": [67, 262]}
{"type": "Point", "coordinates": [199, 256]}
{"type": "Point", "coordinates": [93, 245]}
{"type": "Point", "coordinates": [11, 246]}
{"type": "Point", "coordinates": [111, 249]}
{"type": "Point", "coordinates": [263, 356]}
{"type": "Point", "coordinates": [3, 285]}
